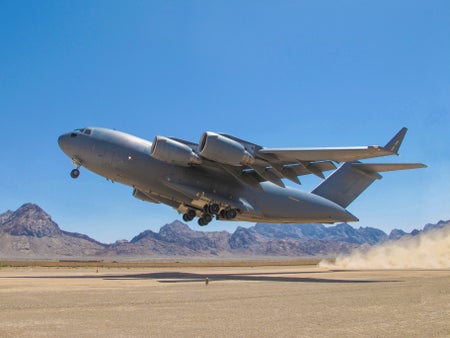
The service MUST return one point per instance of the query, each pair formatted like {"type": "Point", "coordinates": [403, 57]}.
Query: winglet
{"type": "Point", "coordinates": [394, 144]}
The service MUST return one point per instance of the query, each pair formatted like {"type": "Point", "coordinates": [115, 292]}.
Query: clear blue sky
{"type": "Point", "coordinates": [278, 73]}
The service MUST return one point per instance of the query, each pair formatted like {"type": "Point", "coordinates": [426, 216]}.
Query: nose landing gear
{"type": "Point", "coordinates": [75, 172]}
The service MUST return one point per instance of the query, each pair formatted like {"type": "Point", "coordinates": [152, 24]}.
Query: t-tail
{"type": "Point", "coordinates": [352, 178]}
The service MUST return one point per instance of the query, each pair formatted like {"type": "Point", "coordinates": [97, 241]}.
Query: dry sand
{"type": "Point", "coordinates": [291, 301]}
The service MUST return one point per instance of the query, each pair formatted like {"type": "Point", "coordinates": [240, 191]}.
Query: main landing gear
{"type": "Point", "coordinates": [204, 220]}
{"type": "Point", "coordinates": [209, 211]}
{"type": "Point", "coordinates": [189, 215]}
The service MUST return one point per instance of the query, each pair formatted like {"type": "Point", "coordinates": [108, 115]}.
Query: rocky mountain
{"type": "Point", "coordinates": [439, 225]}
{"type": "Point", "coordinates": [5, 216]}
{"type": "Point", "coordinates": [174, 239]}
{"type": "Point", "coordinates": [29, 232]}
{"type": "Point", "coordinates": [396, 234]}
{"type": "Point", "coordinates": [29, 220]}
{"type": "Point", "coordinates": [302, 239]}
{"type": "Point", "coordinates": [340, 232]}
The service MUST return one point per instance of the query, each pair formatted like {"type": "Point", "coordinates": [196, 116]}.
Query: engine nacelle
{"type": "Point", "coordinates": [173, 152]}
{"type": "Point", "coordinates": [222, 149]}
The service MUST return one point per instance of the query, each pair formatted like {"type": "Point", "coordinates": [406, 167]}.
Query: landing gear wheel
{"type": "Point", "coordinates": [189, 215]}
{"type": "Point", "coordinates": [214, 208]}
{"type": "Point", "coordinates": [75, 173]}
{"type": "Point", "coordinates": [207, 218]}
{"type": "Point", "coordinates": [230, 214]}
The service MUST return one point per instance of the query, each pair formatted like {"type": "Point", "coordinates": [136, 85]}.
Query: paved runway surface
{"type": "Point", "coordinates": [237, 302]}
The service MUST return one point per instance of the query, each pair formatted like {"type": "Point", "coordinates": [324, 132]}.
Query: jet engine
{"type": "Point", "coordinates": [173, 152]}
{"type": "Point", "coordinates": [224, 150]}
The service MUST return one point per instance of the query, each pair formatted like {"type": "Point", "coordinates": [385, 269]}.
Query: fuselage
{"type": "Point", "coordinates": [125, 158]}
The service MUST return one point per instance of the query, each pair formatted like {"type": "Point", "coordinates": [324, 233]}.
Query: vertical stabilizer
{"type": "Point", "coordinates": [394, 144]}
{"type": "Point", "coordinates": [345, 184]}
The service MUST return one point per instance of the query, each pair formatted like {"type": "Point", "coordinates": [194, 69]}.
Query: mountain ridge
{"type": "Point", "coordinates": [29, 232]}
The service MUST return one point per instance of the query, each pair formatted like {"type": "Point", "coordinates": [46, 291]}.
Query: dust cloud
{"type": "Point", "coordinates": [428, 250]}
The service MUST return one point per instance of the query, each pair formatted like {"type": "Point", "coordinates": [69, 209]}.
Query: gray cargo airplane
{"type": "Point", "coordinates": [229, 178]}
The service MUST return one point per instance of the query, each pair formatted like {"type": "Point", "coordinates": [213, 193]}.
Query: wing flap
{"type": "Point", "coordinates": [269, 173]}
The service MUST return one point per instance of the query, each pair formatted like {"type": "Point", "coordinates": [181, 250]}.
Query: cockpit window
{"type": "Point", "coordinates": [86, 131]}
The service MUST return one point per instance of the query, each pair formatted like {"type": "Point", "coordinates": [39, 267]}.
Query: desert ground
{"type": "Point", "coordinates": [237, 301]}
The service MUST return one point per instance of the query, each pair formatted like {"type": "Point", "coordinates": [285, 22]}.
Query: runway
{"type": "Point", "coordinates": [292, 301]}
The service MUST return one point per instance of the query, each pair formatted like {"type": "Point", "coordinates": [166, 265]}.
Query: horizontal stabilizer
{"type": "Point", "coordinates": [383, 167]}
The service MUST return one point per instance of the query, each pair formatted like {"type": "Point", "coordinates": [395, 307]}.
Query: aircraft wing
{"type": "Point", "coordinates": [340, 154]}
{"type": "Point", "coordinates": [245, 159]}
{"type": "Point", "coordinates": [273, 164]}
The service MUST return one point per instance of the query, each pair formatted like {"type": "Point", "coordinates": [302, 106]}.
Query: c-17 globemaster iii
{"type": "Point", "coordinates": [227, 178]}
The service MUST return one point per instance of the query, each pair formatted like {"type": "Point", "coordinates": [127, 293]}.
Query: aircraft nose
{"type": "Point", "coordinates": [64, 142]}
